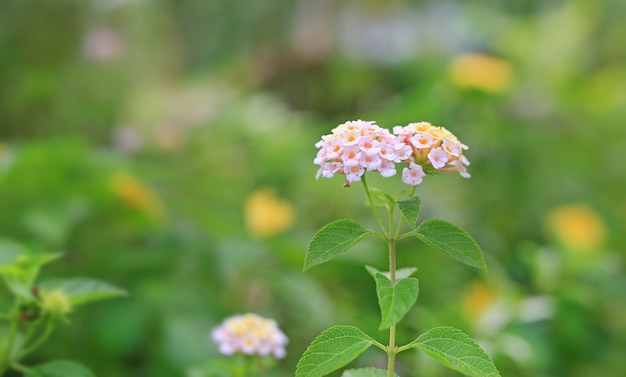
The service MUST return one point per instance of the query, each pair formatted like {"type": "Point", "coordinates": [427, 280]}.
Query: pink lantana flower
{"type": "Point", "coordinates": [358, 146]}
{"type": "Point", "coordinates": [434, 147]}
{"type": "Point", "coordinates": [438, 158]}
{"type": "Point", "coordinates": [413, 175]}
{"type": "Point", "coordinates": [422, 140]}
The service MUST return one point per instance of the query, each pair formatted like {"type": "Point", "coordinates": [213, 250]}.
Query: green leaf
{"type": "Point", "coordinates": [395, 300]}
{"type": "Point", "coordinates": [410, 209]}
{"type": "Point", "coordinates": [452, 348]}
{"type": "Point", "coordinates": [331, 350]}
{"type": "Point", "coordinates": [452, 240]}
{"type": "Point", "coordinates": [402, 273]}
{"type": "Point", "coordinates": [13, 255]}
{"type": "Point", "coordinates": [366, 372]}
{"type": "Point", "coordinates": [19, 267]}
{"type": "Point", "coordinates": [83, 290]}
{"type": "Point", "coordinates": [334, 239]}
{"type": "Point", "coordinates": [60, 368]}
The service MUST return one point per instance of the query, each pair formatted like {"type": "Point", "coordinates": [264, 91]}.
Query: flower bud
{"type": "Point", "coordinates": [56, 303]}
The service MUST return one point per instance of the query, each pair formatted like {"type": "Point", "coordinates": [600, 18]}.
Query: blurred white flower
{"type": "Point", "coordinates": [388, 34]}
{"type": "Point", "coordinates": [103, 45]}
{"type": "Point", "coordinates": [250, 334]}
{"type": "Point", "coordinates": [127, 138]}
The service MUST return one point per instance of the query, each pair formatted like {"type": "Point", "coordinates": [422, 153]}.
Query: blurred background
{"type": "Point", "coordinates": [166, 146]}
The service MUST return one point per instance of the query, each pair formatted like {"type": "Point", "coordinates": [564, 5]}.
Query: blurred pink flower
{"type": "Point", "coordinates": [103, 45]}
{"type": "Point", "coordinates": [250, 334]}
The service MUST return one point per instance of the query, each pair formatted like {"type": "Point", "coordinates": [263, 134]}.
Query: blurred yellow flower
{"type": "Point", "coordinates": [136, 194]}
{"type": "Point", "coordinates": [480, 71]}
{"type": "Point", "coordinates": [577, 227]}
{"type": "Point", "coordinates": [266, 214]}
{"type": "Point", "coordinates": [477, 299]}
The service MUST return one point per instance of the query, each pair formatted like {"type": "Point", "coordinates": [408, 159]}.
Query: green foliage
{"type": "Point", "coordinates": [37, 309]}
{"type": "Point", "coordinates": [452, 348]}
{"type": "Point", "coordinates": [410, 209]}
{"type": "Point", "coordinates": [401, 273]}
{"type": "Point", "coordinates": [339, 345]}
{"type": "Point", "coordinates": [20, 268]}
{"type": "Point", "coordinates": [332, 349]}
{"type": "Point", "coordinates": [332, 240]}
{"type": "Point", "coordinates": [59, 368]}
{"type": "Point", "coordinates": [366, 372]}
{"type": "Point", "coordinates": [452, 240]}
{"type": "Point", "coordinates": [82, 290]}
{"type": "Point", "coordinates": [395, 299]}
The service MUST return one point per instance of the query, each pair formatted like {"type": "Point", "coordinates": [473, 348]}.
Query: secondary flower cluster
{"type": "Point", "coordinates": [250, 334]}
{"type": "Point", "coordinates": [355, 147]}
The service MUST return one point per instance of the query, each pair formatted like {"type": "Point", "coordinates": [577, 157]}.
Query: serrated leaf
{"type": "Point", "coordinates": [452, 240]}
{"type": "Point", "coordinates": [395, 300]}
{"type": "Point", "coordinates": [410, 209]}
{"type": "Point", "coordinates": [83, 290]}
{"type": "Point", "coordinates": [331, 350]}
{"type": "Point", "coordinates": [332, 240]}
{"type": "Point", "coordinates": [366, 372]}
{"type": "Point", "coordinates": [454, 349]}
{"type": "Point", "coordinates": [60, 368]}
{"type": "Point", "coordinates": [402, 273]}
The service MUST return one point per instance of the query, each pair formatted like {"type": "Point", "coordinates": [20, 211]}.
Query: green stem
{"type": "Point", "coordinates": [406, 235]}
{"type": "Point", "coordinates": [32, 329]}
{"type": "Point", "coordinates": [5, 358]}
{"type": "Point", "coordinates": [371, 201]}
{"type": "Point", "coordinates": [20, 368]}
{"type": "Point", "coordinates": [391, 352]}
{"type": "Point", "coordinates": [404, 348]}
{"type": "Point", "coordinates": [47, 332]}
{"type": "Point", "coordinates": [391, 235]}
{"type": "Point", "coordinates": [392, 259]}
{"type": "Point", "coordinates": [392, 349]}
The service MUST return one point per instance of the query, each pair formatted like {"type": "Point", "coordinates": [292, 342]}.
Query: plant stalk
{"type": "Point", "coordinates": [392, 350]}
{"type": "Point", "coordinates": [371, 201]}
{"type": "Point", "coordinates": [5, 360]}
{"type": "Point", "coordinates": [42, 338]}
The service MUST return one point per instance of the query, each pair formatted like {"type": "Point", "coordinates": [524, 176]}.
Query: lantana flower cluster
{"type": "Point", "coordinates": [250, 334]}
{"type": "Point", "coordinates": [357, 146]}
